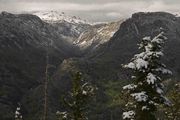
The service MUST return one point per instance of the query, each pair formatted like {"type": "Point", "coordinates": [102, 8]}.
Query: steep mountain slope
{"type": "Point", "coordinates": [99, 34]}
{"type": "Point", "coordinates": [104, 66]}
{"type": "Point", "coordinates": [124, 43]}
{"type": "Point", "coordinates": [24, 40]}
{"type": "Point", "coordinates": [33, 30]}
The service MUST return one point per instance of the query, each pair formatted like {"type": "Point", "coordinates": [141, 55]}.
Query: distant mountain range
{"type": "Point", "coordinates": [97, 50]}
{"type": "Point", "coordinates": [88, 36]}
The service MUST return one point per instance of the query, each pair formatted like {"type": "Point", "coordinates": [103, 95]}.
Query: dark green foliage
{"type": "Point", "coordinates": [173, 112]}
{"type": "Point", "coordinates": [146, 90]}
{"type": "Point", "coordinates": [78, 99]}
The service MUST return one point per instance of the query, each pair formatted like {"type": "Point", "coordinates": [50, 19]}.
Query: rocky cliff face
{"type": "Point", "coordinates": [94, 37]}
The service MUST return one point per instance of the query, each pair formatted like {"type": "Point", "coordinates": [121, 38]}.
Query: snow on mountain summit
{"type": "Point", "coordinates": [58, 17]}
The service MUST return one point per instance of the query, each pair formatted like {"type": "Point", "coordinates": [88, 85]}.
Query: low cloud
{"type": "Point", "coordinates": [113, 14]}
{"type": "Point", "coordinates": [101, 10]}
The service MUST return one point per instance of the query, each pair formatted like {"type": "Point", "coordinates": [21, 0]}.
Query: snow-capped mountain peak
{"type": "Point", "coordinates": [58, 17]}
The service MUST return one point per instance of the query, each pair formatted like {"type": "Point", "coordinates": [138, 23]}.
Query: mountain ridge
{"type": "Point", "coordinates": [58, 17]}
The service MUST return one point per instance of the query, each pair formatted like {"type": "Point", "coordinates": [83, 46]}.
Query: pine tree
{"type": "Point", "coordinates": [46, 88]}
{"type": "Point", "coordinates": [146, 90]}
{"type": "Point", "coordinates": [78, 99]}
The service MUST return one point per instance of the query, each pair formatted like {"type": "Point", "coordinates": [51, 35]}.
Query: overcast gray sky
{"type": "Point", "coordinates": [93, 10]}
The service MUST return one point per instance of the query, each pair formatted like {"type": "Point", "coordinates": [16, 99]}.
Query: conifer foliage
{"type": "Point", "coordinates": [173, 112]}
{"type": "Point", "coordinates": [146, 90]}
{"type": "Point", "coordinates": [78, 99]}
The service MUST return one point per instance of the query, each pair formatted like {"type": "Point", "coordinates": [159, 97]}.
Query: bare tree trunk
{"type": "Point", "coordinates": [46, 86]}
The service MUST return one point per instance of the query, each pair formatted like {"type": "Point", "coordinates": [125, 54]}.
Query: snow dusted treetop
{"type": "Point", "coordinates": [77, 101]}
{"type": "Point", "coordinates": [146, 90]}
{"type": "Point", "coordinates": [18, 115]}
